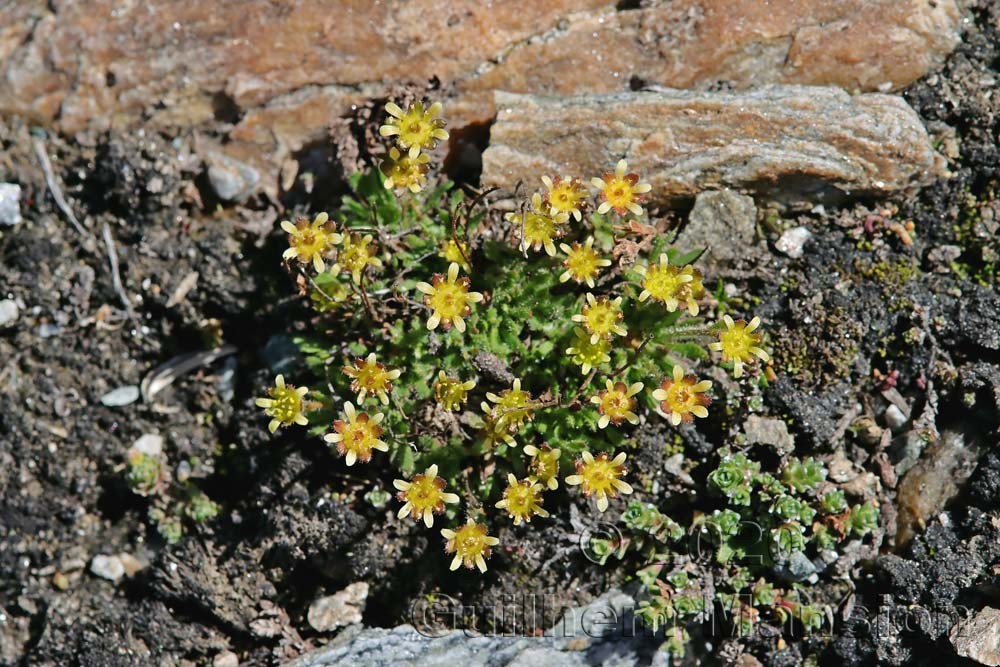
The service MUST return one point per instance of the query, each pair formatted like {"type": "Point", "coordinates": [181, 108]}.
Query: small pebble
{"type": "Point", "coordinates": [8, 312]}
{"type": "Point", "coordinates": [231, 179]}
{"type": "Point", "coordinates": [894, 417]}
{"type": "Point", "coordinates": [340, 609]}
{"type": "Point", "coordinates": [226, 659]}
{"type": "Point", "coordinates": [150, 444]}
{"type": "Point", "coordinates": [108, 567]}
{"type": "Point", "coordinates": [792, 241]}
{"type": "Point", "coordinates": [27, 605]}
{"type": "Point", "coordinates": [769, 431]}
{"type": "Point", "coordinates": [227, 380]}
{"type": "Point", "coordinates": [121, 396]}
{"type": "Point", "coordinates": [10, 204]}
{"type": "Point", "coordinates": [60, 581]}
{"type": "Point", "coordinates": [797, 567]}
{"type": "Point", "coordinates": [49, 330]}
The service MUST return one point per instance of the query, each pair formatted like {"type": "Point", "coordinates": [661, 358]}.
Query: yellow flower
{"type": "Point", "coordinates": [616, 403]}
{"type": "Point", "coordinates": [424, 496]}
{"type": "Point", "coordinates": [457, 253]}
{"type": "Point", "coordinates": [370, 378]}
{"type": "Point", "coordinates": [539, 228]}
{"type": "Point", "coordinates": [586, 353]}
{"type": "Point", "coordinates": [620, 191]}
{"type": "Point", "coordinates": [565, 195]}
{"type": "Point", "coordinates": [449, 300]}
{"type": "Point", "coordinates": [513, 408]}
{"type": "Point", "coordinates": [415, 128]}
{"type": "Point", "coordinates": [522, 500]}
{"type": "Point", "coordinates": [451, 393]}
{"type": "Point", "coordinates": [683, 398]}
{"type": "Point", "coordinates": [402, 171]}
{"type": "Point", "coordinates": [357, 435]}
{"type": "Point", "coordinates": [284, 405]}
{"type": "Point", "coordinates": [582, 262]}
{"type": "Point", "coordinates": [356, 255]}
{"type": "Point", "coordinates": [601, 317]}
{"type": "Point", "coordinates": [544, 465]}
{"type": "Point", "coordinates": [739, 344]}
{"type": "Point", "coordinates": [600, 477]}
{"type": "Point", "coordinates": [310, 243]}
{"type": "Point", "coordinates": [470, 544]}
{"type": "Point", "coordinates": [665, 283]}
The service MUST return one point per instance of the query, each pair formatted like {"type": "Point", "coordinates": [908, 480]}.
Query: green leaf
{"type": "Point", "coordinates": [680, 259]}
{"type": "Point", "coordinates": [401, 455]}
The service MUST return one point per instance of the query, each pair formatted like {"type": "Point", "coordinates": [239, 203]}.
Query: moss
{"type": "Point", "coordinates": [892, 278]}
{"type": "Point", "coordinates": [980, 259]}
{"type": "Point", "coordinates": [893, 275]}
{"type": "Point", "coordinates": [821, 352]}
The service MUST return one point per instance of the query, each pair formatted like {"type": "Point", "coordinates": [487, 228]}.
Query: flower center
{"type": "Point", "coordinates": [616, 404]}
{"type": "Point", "coordinates": [600, 318]}
{"type": "Point", "coordinates": [469, 542]}
{"type": "Point", "coordinates": [371, 377]}
{"type": "Point", "coordinates": [287, 403]}
{"type": "Point", "coordinates": [663, 282]}
{"type": "Point", "coordinates": [359, 438]}
{"type": "Point", "coordinates": [618, 193]}
{"type": "Point", "coordinates": [449, 300]}
{"type": "Point", "coordinates": [582, 263]}
{"type": "Point", "coordinates": [736, 343]}
{"type": "Point", "coordinates": [538, 227]}
{"type": "Point", "coordinates": [423, 493]}
{"type": "Point", "coordinates": [544, 467]}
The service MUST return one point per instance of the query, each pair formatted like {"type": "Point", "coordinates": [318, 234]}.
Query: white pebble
{"type": "Point", "coordinates": [108, 567]}
{"type": "Point", "coordinates": [792, 241]}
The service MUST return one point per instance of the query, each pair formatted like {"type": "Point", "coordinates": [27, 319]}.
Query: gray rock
{"type": "Point", "coordinates": [232, 180]}
{"type": "Point", "coordinates": [280, 353]}
{"type": "Point", "coordinates": [793, 240]}
{"type": "Point", "coordinates": [792, 145]}
{"type": "Point", "coordinates": [724, 222]}
{"type": "Point", "coordinates": [796, 568]}
{"type": "Point", "coordinates": [340, 609]}
{"type": "Point", "coordinates": [121, 396]}
{"type": "Point", "coordinates": [10, 204]}
{"type": "Point", "coordinates": [108, 567]}
{"type": "Point", "coordinates": [978, 638]}
{"type": "Point", "coordinates": [598, 634]}
{"type": "Point", "coordinates": [769, 431]}
{"type": "Point", "coordinates": [8, 312]}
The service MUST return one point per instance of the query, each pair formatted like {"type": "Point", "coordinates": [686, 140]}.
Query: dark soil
{"type": "Point", "coordinates": [859, 305]}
